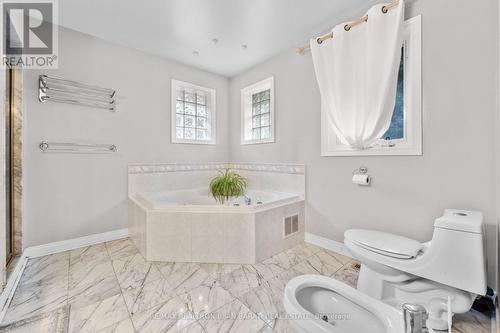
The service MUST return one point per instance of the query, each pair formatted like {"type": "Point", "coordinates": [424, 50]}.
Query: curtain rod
{"type": "Point", "coordinates": [347, 27]}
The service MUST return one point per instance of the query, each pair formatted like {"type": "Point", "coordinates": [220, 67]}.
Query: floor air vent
{"type": "Point", "coordinates": [291, 224]}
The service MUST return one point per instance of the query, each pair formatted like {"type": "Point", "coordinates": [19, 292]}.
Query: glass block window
{"type": "Point", "coordinates": [193, 114]}
{"type": "Point", "coordinates": [257, 112]}
{"type": "Point", "coordinates": [261, 115]}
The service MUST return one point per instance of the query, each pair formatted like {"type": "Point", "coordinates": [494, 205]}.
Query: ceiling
{"type": "Point", "coordinates": [183, 30]}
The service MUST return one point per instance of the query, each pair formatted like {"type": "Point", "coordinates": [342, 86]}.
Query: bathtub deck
{"type": "Point", "coordinates": [110, 287]}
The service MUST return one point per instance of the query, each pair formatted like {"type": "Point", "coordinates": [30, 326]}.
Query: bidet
{"type": "Point", "coordinates": [321, 304]}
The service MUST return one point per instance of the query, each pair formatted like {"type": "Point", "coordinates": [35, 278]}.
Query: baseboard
{"type": "Point", "coordinates": [71, 244]}
{"type": "Point", "coordinates": [328, 244]}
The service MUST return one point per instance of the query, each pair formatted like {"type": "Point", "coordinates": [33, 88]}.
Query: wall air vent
{"type": "Point", "coordinates": [291, 225]}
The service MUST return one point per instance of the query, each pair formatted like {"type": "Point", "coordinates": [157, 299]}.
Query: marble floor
{"type": "Point", "coordinates": [109, 287]}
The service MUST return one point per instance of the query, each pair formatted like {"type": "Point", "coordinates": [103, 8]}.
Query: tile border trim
{"type": "Point", "coordinates": [183, 167]}
{"type": "Point", "coordinates": [298, 169]}
{"type": "Point", "coordinates": [173, 167]}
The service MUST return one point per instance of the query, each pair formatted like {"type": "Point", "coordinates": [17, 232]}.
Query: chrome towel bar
{"type": "Point", "coordinates": [56, 89]}
{"type": "Point", "coordinates": [77, 147]}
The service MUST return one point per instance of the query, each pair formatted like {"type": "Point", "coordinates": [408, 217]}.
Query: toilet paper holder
{"type": "Point", "coordinates": [362, 170]}
{"type": "Point", "coordinates": [360, 176]}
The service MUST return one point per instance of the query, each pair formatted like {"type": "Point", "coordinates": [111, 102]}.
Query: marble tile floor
{"type": "Point", "coordinates": [109, 287]}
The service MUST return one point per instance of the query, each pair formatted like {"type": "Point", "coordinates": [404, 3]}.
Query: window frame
{"type": "Point", "coordinates": [210, 105]}
{"type": "Point", "coordinates": [411, 144]}
{"type": "Point", "coordinates": [247, 108]}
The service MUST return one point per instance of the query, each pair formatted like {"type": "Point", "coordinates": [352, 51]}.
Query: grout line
{"type": "Point", "coordinates": [209, 276]}
{"type": "Point", "coordinates": [149, 308]}
{"type": "Point", "coordinates": [121, 291]}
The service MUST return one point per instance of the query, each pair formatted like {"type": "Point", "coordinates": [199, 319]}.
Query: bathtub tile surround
{"type": "Point", "coordinates": [168, 224]}
{"type": "Point", "coordinates": [243, 235]}
{"type": "Point", "coordinates": [173, 167]}
{"type": "Point", "coordinates": [298, 169]}
{"type": "Point", "coordinates": [184, 297]}
{"type": "Point", "coordinates": [174, 176]}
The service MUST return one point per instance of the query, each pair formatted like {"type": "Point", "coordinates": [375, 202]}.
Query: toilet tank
{"type": "Point", "coordinates": [458, 251]}
{"type": "Point", "coordinates": [461, 220]}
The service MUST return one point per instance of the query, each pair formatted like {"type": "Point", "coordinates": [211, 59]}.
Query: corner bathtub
{"type": "Point", "coordinates": [190, 226]}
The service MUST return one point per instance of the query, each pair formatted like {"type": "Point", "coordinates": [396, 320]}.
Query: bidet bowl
{"type": "Point", "coordinates": [316, 303]}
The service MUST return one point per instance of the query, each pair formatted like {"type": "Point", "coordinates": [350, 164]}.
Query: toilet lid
{"type": "Point", "coordinates": [384, 243]}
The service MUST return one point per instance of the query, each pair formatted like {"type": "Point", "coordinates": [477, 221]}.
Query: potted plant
{"type": "Point", "coordinates": [226, 185]}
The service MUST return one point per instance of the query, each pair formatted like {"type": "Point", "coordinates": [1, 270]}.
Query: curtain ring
{"type": "Point", "coordinates": [318, 40]}
{"type": "Point", "coordinates": [347, 27]}
{"type": "Point", "coordinates": [384, 9]}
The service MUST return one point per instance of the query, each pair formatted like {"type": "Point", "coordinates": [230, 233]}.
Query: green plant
{"type": "Point", "coordinates": [226, 185]}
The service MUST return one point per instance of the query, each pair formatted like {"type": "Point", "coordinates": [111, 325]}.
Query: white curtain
{"type": "Point", "coordinates": [357, 73]}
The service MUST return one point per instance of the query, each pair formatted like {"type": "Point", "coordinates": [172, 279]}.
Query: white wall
{"type": "Point", "coordinates": [408, 193]}
{"type": "Point", "coordinates": [69, 195]}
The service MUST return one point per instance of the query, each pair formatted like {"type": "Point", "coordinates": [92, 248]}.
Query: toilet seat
{"type": "Point", "coordinates": [386, 244]}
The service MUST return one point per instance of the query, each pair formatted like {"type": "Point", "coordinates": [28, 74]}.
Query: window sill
{"type": "Point", "coordinates": [257, 142]}
{"type": "Point", "coordinates": [193, 142]}
{"type": "Point", "coordinates": [385, 151]}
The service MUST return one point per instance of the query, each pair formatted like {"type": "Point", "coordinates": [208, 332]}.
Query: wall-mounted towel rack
{"type": "Point", "coordinates": [77, 147]}
{"type": "Point", "coordinates": [56, 89]}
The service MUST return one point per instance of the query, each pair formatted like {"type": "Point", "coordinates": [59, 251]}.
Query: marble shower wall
{"type": "Point", "coordinates": [17, 167]}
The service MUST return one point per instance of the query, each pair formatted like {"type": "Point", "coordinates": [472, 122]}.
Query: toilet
{"type": "Point", "coordinates": [444, 273]}
{"type": "Point", "coordinates": [320, 304]}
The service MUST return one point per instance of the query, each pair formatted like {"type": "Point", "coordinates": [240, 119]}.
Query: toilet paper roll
{"type": "Point", "coordinates": [361, 179]}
